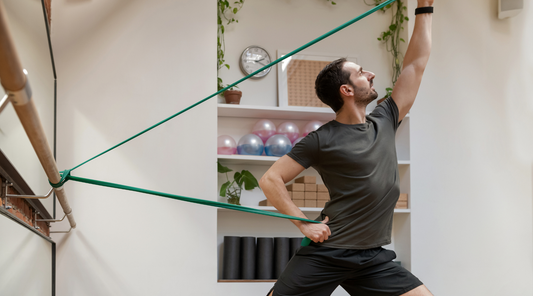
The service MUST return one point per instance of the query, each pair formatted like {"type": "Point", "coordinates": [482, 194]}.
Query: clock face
{"type": "Point", "coordinates": [254, 58]}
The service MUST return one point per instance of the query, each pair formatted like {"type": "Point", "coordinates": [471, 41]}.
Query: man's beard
{"type": "Point", "coordinates": [365, 97]}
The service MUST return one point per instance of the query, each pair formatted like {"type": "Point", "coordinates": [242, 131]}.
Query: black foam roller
{"type": "Point", "coordinates": [231, 262]}
{"type": "Point", "coordinates": [248, 258]}
{"type": "Point", "coordinates": [281, 254]}
{"type": "Point", "coordinates": [296, 242]}
{"type": "Point", "coordinates": [265, 258]}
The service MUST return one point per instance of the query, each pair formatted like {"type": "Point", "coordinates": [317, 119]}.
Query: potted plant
{"type": "Point", "coordinates": [233, 96]}
{"type": "Point", "coordinates": [233, 189]}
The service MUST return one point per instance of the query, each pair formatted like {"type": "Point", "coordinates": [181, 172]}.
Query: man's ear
{"type": "Point", "coordinates": [346, 90]}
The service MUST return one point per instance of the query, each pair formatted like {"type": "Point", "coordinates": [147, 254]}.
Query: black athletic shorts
{"type": "Point", "coordinates": [318, 271]}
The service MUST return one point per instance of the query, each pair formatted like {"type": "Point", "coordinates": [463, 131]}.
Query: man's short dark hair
{"type": "Point", "coordinates": [329, 81]}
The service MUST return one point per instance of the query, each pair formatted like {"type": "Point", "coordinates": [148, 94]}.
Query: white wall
{"type": "Point", "coordinates": [471, 153]}
{"type": "Point", "coordinates": [142, 62]}
{"type": "Point", "coordinates": [25, 260]}
{"type": "Point", "coordinates": [471, 171]}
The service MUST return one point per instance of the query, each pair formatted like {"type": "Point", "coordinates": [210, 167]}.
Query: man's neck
{"type": "Point", "coordinates": [351, 114]}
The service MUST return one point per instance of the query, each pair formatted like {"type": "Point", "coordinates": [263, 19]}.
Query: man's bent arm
{"type": "Point", "coordinates": [414, 63]}
{"type": "Point", "coordinates": [273, 185]}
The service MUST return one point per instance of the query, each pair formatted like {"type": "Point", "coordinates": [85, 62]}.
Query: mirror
{"type": "Point", "coordinates": [28, 26]}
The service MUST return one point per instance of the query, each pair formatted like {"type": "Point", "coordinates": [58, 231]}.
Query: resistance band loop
{"type": "Point", "coordinates": [66, 174]}
{"type": "Point", "coordinates": [382, 5]}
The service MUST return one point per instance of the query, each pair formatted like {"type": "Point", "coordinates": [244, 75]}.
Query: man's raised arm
{"type": "Point", "coordinates": [415, 61]}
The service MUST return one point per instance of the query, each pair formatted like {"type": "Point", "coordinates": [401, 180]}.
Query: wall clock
{"type": "Point", "coordinates": [254, 58]}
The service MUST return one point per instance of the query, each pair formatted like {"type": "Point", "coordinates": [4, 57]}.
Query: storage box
{"type": "Point", "coordinates": [403, 197]}
{"type": "Point", "coordinates": [310, 187]}
{"type": "Point", "coordinates": [321, 188]}
{"type": "Point", "coordinates": [298, 195]}
{"type": "Point", "coordinates": [296, 187]}
{"type": "Point", "coordinates": [322, 196]}
{"type": "Point", "coordinates": [306, 180]}
{"type": "Point", "coordinates": [299, 203]}
{"type": "Point", "coordinates": [310, 196]}
{"type": "Point", "coordinates": [265, 203]}
{"type": "Point", "coordinates": [310, 203]}
{"type": "Point", "coordinates": [401, 205]}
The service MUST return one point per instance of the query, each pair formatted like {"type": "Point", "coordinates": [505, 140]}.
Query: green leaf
{"type": "Point", "coordinates": [379, 39]}
{"type": "Point", "coordinates": [222, 169]}
{"type": "Point", "coordinates": [235, 10]}
{"type": "Point", "coordinates": [333, 3]}
{"type": "Point", "coordinates": [393, 27]}
{"type": "Point", "coordinates": [227, 66]}
{"type": "Point", "coordinates": [406, 18]}
{"type": "Point", "coordinates": [238, 179]}
{"type": "Point", "coordinates": [401, 39]}
{"type": "Point", "coordinates": [224, 188]}
{"type": "Point", "coordinates": [250, 182]}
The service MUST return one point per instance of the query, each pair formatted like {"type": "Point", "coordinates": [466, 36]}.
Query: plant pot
{"type": "Point", "coordinates": [233, 96]}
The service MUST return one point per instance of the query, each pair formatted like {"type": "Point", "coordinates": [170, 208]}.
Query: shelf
{"type": "Point", "coordinates": [237, 159]}
{"type": "Point", "coordinates": [289, 113]}
{"type": "Point", "coordinates": [305, 210]}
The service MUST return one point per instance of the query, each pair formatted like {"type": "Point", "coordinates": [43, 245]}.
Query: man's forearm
{"type": "Point", "coordinates": [419, 48]}
{"type": "Point", "coordinates": [277, 194]}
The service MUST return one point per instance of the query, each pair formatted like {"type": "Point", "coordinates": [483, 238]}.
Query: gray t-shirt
{"type": "Point", "coordinates": [359, 166]}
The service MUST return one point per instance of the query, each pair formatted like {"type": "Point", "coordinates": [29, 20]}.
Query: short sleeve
{"type": "Point", "coordinates": [305, 152]}
{"type": "Point", "coordinates": [389, 110]}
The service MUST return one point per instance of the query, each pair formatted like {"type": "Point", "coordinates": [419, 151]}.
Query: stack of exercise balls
{"type": "Point", "coordinates": [266, 137]}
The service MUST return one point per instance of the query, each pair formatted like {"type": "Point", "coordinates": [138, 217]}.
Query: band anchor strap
{"type": "Point", "coordinates": [65, 176]}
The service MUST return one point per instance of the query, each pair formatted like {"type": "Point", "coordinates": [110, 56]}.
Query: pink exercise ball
{"type": "Point", "coordinates": [311, 126]}
{"type": "Point", "coordinates": [265, 129]}
{"type": "Point", "coordinates": [289, 129]}
{"type": "Point", "coordinates": [226, 145]}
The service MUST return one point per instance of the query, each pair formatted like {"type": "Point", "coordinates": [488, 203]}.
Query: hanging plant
{"type": "Point", "coordinates": [225, 16]}
{"type": "Point", "coordinates": [391, 37]}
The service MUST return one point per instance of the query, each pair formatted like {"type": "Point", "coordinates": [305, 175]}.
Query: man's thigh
{"type": "Point", "coordinates": [385, 279]}
{"type": "Point", "coordinates": [308, 274]}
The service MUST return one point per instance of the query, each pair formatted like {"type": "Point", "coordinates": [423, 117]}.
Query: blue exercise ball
{"type": "Point", "coordinates": [278, 145]}
{"type": "Point", "coordinates": [250, 144]}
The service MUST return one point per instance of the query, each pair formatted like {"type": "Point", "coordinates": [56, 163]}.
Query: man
{"type": "Point", "coordinates": [356, 158]}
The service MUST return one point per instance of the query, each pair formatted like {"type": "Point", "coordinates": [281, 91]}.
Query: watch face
{"type": "Point", "coordinates": [254, 58]}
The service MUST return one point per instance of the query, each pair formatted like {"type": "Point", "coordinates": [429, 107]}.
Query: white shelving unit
{"type": "Point", "coordinates": [237, 121]}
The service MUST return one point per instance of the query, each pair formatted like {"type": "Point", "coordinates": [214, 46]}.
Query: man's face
{"type": "Point", "coordinates": [362, 82]}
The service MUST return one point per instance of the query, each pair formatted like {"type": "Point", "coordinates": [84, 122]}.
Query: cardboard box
{"type": "Point", "coordinates": [403, 197]}
{"type": "Point", "coordinates": [310, 203]}
{"type": "Point", "coordinates": [265, 203]}
{"type": "Point", "coordinates": [310, 187]}
{"type": "Point", "coordinates": [310, 196]}
{"type": "Point", "coordinates": [321, 188]}
{"type": "Point", "coordinates": [322, 196]}
{"type": "Point", "coordinates": [321, 203]}
{"type": "Point", "coordinates": [296, 187]}
{"type": "Point", "coordinates": [299, 203]}
{"type": "Point", "coordinates": [298, 195]}
{"type": "Point", "coordinates": [401, 205]}
{"type": "Point", "coordinates": [306, 180]}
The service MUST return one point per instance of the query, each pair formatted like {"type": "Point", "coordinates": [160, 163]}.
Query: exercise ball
{"type": "Point", "coordinates": [278, 145]}
{"type": "Point", "coordinates": [226, 145]}
{"type": "Point", "coordinates": [250, 144]}
{"type": "Point", "coordinates": [296, 141]}
{"type": "Point", "coordinates": [289, 129]}
{"type": "Point", "coordinates": [265, 129]}
{"type": "Point", "coordinates": [311, 126]}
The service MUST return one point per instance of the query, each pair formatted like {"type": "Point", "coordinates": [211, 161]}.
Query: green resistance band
{"type": "Point", "coordinates": [66, 174]}
{"type": "Point", "coordinates": [192, 200]}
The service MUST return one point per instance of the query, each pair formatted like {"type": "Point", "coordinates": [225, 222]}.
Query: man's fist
{"type": "Point", "coordinates": [316, 232]}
